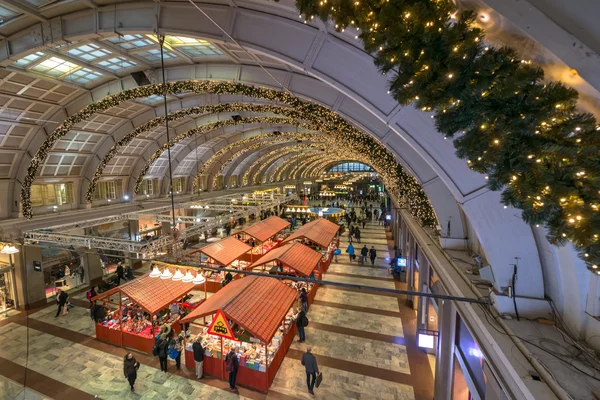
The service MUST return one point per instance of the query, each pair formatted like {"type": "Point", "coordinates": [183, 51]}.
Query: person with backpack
{"type": "Point", "coordinates": [312, 369]}
{"type": "Point", "coordinates": [130, 367]}
{"type": "Point", "coordinates": [350, 251]}
{"type": "Point", "coordinates": [364, 252]}
{"type": "Point", "coordinates": [231, 366]}
{"type": "Point", "coordinates": [301, 323]}
{"type": "Point", "coordinates": [91, 293]}
{"type": "Point", "coordinates": [198, 357]}
{"type": "Point", "coordinates": [373, 255]}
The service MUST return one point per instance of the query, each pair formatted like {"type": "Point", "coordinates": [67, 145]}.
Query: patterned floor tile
{"type": "Point", "coordinates": [384, 325]}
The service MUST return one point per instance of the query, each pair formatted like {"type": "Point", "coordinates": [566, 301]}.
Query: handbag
{"type": "Point", "coordinates": [319, 379]}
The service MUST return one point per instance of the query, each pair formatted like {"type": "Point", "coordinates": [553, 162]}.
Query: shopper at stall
{"type": "Point", "coordinates": [176, 348]}
{"type": "Point", "coordinates": [61, 300]}
{"type": "Point", "coordinates": [120, 273]}
{"type": "Point", "coordinates": [198, 357]}
{"type": "Point", "coordinates": [364, 252]}
{"type": "Point", "coordinates": [231, 366]}
{"type": "Point", "coordinates": [129, 273]}
{"type": "Point", "coordinates": [91, 293]}
{"type": "Point", "coordinates": [350, 251]}
{"type": "Point", "coordinates": [304, 300]}
{"type": "Point", "coordinates": [372, 255]}
{"type": "Point", "coordinates": [301, 323]}
{"type": "Point", "coordinates": [161, 347]}
{"type": "Point", "coordinates": [312, 369]}
{"type": "Point", "coordinates": [130, 367]}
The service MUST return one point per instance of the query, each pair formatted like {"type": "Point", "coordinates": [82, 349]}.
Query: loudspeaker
{"type": "Point", "coordinates": [140, 78]}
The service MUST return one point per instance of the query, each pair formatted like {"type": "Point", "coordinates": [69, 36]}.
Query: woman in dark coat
{"type": "Point", "coordinates": [130, 367]}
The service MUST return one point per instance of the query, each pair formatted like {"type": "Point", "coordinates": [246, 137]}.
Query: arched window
{"type": "Point", "coordinates": [351, 167]}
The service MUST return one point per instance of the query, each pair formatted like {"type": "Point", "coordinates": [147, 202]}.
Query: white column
{"type": "Point", "coordinates": [444, 365]}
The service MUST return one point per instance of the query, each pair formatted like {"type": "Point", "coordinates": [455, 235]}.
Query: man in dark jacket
{"type": "Point", "coordinates": [364, 252]}
{"type": "Point", "coordinates": [301, 322]}
{"type": "Point", "coordinates": [198, 357]}
{"type": "Point", "coordinates": [373, 255]}
{"type": "Point", "coordinates": [61, 300]}
{"type": "Point", "coordinates": [312, 369]}
{"type": "Point", "coordinates": [163, 347]}
{"type": "Point", "coordinates": [231, 366]}
{"type": "Point", "coordinates": [120, 273]}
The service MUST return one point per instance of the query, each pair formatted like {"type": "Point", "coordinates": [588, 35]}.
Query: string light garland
{"type": "Point", "coordinates": [523, 132]}
{"type": "Point", "coordinates": [394, 176]}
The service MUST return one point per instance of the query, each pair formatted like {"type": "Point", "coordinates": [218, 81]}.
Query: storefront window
{"type": "Point", "coordinates": [472, 356]}
{"type": "Point", "coordinates": [7, 297]}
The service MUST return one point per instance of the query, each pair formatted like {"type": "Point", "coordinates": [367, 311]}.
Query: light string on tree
{"type": "Point", "coordinates": [380, 159]}
{"type": "Point", "coordinates": [523, 132]}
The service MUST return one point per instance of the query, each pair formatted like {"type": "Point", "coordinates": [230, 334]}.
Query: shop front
{"type": "Point", "coordinates": [254, 314]}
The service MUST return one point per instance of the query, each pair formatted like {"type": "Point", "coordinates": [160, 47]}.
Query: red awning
{"type": "Point", "coordinates": [297, 256]}
{"type": "Point", "coordinates": [152, 294]}
{"type": "Point", "coordinates": [257, 304]}
{"type": "Point", "coordinates": [320, 231]}
{"type": "Point", "coordinates": [225, 251]}
{"type": "Point", "coordinates": [265, 229]}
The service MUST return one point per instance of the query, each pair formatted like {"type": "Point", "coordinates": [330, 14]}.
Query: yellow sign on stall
{"type": "Point", "coordinates": [220, 327]}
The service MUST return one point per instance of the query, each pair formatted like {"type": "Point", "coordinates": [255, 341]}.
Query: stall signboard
{"type": "Point", "coordinates": [220, 327]}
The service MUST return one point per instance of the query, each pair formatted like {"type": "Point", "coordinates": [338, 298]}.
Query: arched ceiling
{"type": "Point", "coordinates": [62, 56]}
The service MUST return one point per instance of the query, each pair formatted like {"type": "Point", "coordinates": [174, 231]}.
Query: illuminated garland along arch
{"type": "Point", "coordinates": [200, 111]}
{"type": "Point", "coordinates": [312, 169]}
{"type": "Point", "coordinates": [264, 139]}
{"type": "Point", "coordinates": [521, 130]}
{"type": "Point", "coordinates": [206, 128]}
{"type": "Point", "coordinates": [295, 169]}
{"type": "Point", "coordinates": [328, 165]}
{"type": "Point", "coordinates": [290, 140]}
{"type": "Point", "coordinates": [383, 161]}
{"type": "Point", "coordinates": [283, 171]}
{"type": "Point", "coordinates": [277, 175]}
{"type": "Point", "coordinates": [272, 176]}
{"type": "Point", "coordinates": [251, 175]}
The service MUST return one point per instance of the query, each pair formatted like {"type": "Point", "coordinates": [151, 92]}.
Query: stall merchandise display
{"type": "Point", "coordinates": [264, 247]}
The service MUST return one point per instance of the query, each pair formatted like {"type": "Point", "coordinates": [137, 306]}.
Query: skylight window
{"type": "Point", "coordinates": [193, 47]}
{"type": "Point", "coordinates": [7, 13]}
{"type": "Point", "coordinates": [153, 55]}
{"type": "Point", "coordinates": [89, 52]}
{"type": "Point", "coordinates": [129, 42]}
{"type": "Point", "coordinates": [153, 99]}
{"type": "Point", "coordinates": [83, 76]}
{"type": "Point", "coordinates": [25, 61]}
{"type": "Point", "coordinates": [55, 67]}
{"type": "Point", "coordinates": [117, 63]}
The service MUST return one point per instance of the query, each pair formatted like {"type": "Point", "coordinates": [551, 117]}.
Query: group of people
{"type": "Point", "coordinates": [364, 252]}
{"type": "Point", "coordinates": [123, 273]}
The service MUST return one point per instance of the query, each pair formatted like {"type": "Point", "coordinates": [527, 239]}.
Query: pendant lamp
{"type": "Point", "coordinates": [166, 274]}
{"type": "Point", "coordinates": [155, 272]}
{"type": "Point", "coordinates": [188, 277]}
{"type": "Point", "coordinates": [178, 275]}
{"type": "Point", "coordinates": [199, 280]}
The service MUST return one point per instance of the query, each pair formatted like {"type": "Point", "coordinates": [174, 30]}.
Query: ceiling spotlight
{"type": "Point", "coordinates": [126, 197]}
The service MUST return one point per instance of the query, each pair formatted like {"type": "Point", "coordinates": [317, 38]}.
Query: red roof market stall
{"type": "Point", "coordinates": [226, 252]}
{"type": "Point", "coordinates": [264, 233]}
{"type": "Point", "coordinates": [257, 313]}
{"type": "Point", "coordinates": [129, 322]}
{"type": "Point", "coordinates": [322, 233]}
{"type": "Point", "coordinates": [303, 260]}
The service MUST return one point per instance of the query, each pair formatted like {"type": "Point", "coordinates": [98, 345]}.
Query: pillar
{"type": "Point", "coordinates": [32, 281]}
{"type": "Point", "coordinates": [423, 287]}
{"type": "Point", "coordinates": [94, 267]}
{"type": "Point", "coordinates": [444, 365]}
{"type": "Point", "coordinates": [134, 229]}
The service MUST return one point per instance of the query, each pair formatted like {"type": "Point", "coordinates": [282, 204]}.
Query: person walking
{"type": "Point", "coordinates": [61, 300]}
{"type": "Point", "coordinates": [350, 251]}
{"type": "Point", "coordinates": [231, 366]}
{"type": "Point", "coordinates": [130, 367]}
{"type": "Point", "coordinates": [357, 234]}
{"type": "Point", "coordinates": [350, 233]}
{"type": "Point", "coordinates": [372, 255]}
{"type": "Point", "coordinates": [304, 300]}
{"type": "Point", "coordinates": [90, 294]}
{"type": "Point", "coordinates": [198, 357]}
{"type": "Point", "coordinates": [129, 273]}
{"type": "Point", "coordinates": [312, 369]}
{"type": "Point", "coordinates": [301, 323]}
{"type": "Point", "coordinates": [364, 252]}
{"type": "Point", "coordinates": [364, 222]}
{"type": "Point", "coordinates": [120, 273]}
{"type": "Point", "coordinates": [163, 351]}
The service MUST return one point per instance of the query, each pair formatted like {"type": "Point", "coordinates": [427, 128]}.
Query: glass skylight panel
{"type": "Point", "coordinates": [39, 3]}
{"type": "Point", "coordinates": [117, 63]}
{"type": "Point", "coordinates": [89, 52]}
{"type": "Point", "coordinates": [25, 61]}
{"type": "Point", "coordinates": [153, 99]}
{"type": "Point", "coordinates": [129, 42]}
{"type": "Point", "coordinates": [83, 76]}
{"type": "Point", "coordinates": [55, 67]}
{"type": "Point", "coordinates": [193, 47]}
{"type": "Point", "coordinates": [153, 55]}
{"type": "Point", "coordinates": [7, 13]}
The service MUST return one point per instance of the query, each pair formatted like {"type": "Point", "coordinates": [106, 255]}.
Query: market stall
{"type": "Point", "coordinates": [293, 259]}
{"type": "Point", "coordinates": [254, 314]}
{"type": "Point", "coordinates": [224, 253]}
{"type": "Point", "coordinates": [321, 234]}
{"type": "Point", "coordinates": [262, 236]}
{"type": "Point", "coordinates": [130, 309]}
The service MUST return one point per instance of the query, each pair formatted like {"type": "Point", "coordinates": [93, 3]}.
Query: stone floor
{"type": "Point", "coordinates": [364, 342]}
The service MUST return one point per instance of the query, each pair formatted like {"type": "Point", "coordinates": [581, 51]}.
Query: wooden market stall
{"type": "Point", "coordinates": [322, 233]}
{"type": "Point", "coordinates": [130, 323]}
{"type": "Point", "coordinates": [264, 234]}
{"type": "Point", "coordinates": [257, 313]}
{"type": "Point", "coordinates": [225, 253]}
{"type": "Point", "coordinates": [293, 259]}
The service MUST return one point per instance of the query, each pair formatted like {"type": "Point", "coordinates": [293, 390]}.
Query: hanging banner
{"type": "Point", "coordinates": [220, 327]}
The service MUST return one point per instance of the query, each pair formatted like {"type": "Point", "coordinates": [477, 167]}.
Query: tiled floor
{"type": "Point", "coordinates": [364, 343]}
